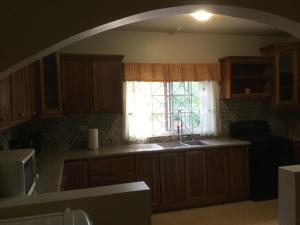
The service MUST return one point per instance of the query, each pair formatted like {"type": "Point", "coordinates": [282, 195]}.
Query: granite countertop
{"type": "Point", "coordinates": [50, 163]}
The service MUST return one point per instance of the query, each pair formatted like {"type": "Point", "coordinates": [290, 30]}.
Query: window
{"type": "Point", "coordinates": [152, 108]}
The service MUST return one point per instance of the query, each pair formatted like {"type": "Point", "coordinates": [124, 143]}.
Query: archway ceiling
{"type": "Point", "coordinates": [28, 27]}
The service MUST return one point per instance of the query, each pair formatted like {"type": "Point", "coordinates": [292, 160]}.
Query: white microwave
{"type": "Point", "coordinates": [18, 175]}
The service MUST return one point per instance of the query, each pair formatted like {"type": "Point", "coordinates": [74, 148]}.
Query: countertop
{"type": "Point", "coordinates": [74, 194]}
{"type": "Point", "coordinates": [50, 163]}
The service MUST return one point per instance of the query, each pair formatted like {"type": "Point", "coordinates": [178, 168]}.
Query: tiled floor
{"type": "Point", "coordinates": [240, 213]}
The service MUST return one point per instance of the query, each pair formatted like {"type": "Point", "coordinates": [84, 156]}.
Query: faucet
{"type": "Point", "coordinates": [180, 132]}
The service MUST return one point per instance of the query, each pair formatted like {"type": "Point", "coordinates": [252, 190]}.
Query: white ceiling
{"type": "Point", "coordinates": [217, 24]}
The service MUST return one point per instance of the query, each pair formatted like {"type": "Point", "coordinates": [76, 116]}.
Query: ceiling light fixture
{"type": "Point", "coordinates": [202, 15]}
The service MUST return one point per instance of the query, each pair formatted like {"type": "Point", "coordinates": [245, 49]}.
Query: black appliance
{"type": "Point", "coordinates": [266, 153]}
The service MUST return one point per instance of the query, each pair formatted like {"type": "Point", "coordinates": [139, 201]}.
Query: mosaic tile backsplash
{"type": "Point", "coordinates": [71, 131]}
{"type": "Point", "coordinates": [255, 109]}
{"type": "Point", "coordinates": [5, 136]}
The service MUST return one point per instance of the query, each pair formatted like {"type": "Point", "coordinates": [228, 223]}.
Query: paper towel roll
{"type": "Point", "coordinates": [93, 139]}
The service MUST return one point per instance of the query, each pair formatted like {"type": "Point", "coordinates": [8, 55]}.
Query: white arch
{"type": "Point", "coordinates": [273, 20]}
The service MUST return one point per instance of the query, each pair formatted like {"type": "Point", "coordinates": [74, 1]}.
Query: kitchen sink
{"type": "Point", "coordinates": [195, 142]}
{"type": "Point", "coordinates": [172, 145]}
{"type": "Point", "coordinates": [181, 144]}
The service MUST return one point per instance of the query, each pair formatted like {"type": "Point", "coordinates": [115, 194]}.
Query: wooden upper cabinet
{"type": "Point", "coordinates": [108, 86]}
{"type": "Point", "coordinates": [246, 77]}
{"type": "Point", "coordinates": [172, 175]}
{"type": "Point", "coordinates": [76, 86]}
{"type": "Point", "coordinates": [20, 94]}
{"type": "Point", "coordinates": [5, 102]}
{"type": "Point", "coordinates": [286, 58]}
{"type": "Point", "coordinates": [50, 85]}
{"type": "Point", "coordinates": [196, 177]}
{"type": "Point", "coordinates": [91, 83]}
{"type": "Point", "coordinates": [217, 175]}
{"type": "Point", "coordinates": [238, 173]}
{"type": "Point", "coordinates": [33, 72]}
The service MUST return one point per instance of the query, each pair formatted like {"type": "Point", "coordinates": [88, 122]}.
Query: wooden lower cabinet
{"type": "Point", "coordinates": [239, 174]}
{"type": "Point", "coordinates": [172, 180]}
{"type": "Point", "coordinates": [75, 175]}
{"type": "Point", "coordinates": [111, 170]}
{"type": "Point", "coordinates": [147, 170]}
{"type": "Point", "coordinates": [177, 179]}
{"type": "Point", "coordinates": [217, 175]}
{"type": "Point", "coordinates": [297, 151]}
{"type": "Point", "coordinates": [196, 176]}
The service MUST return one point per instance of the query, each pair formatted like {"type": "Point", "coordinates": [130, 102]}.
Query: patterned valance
{"type": "Point", "coordinates": [158, 72]}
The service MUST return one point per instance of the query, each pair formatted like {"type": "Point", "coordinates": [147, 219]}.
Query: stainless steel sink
{"type": "Point", "coordinates": [181, 144]}
{"type": "Point", "coordinates": [172, 145]}
{"type": "Point", "coordinates": [194, 143]}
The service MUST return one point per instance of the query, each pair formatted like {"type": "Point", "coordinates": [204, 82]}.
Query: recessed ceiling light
{"type": "Point", "coordinates": [202, 15]}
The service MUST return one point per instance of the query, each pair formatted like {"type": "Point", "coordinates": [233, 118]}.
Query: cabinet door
{"type": "Point", "coordinates": [50, 85]}
{"type": "Point", "coordinates": [5, 102]}
{"type": "Point", "coordinates": [217, 175]}
{"type": "Point", "coordinates": [20, 97]}
{"type": "Point", "coordinates": [147, 170]}
{"type": "Point", "coordinates": [74, 175]}
{"type": "Point", "coordinates": [108, 171]}
{"type": "Point", "coordinates": [196, 179]}
{"type": "Point", "coordinates": [286, 77]}
{"type": "Point", "coordinates": [32, 89]}
{"type": "Point", "coordinates": [108, 87]}
{"type": "Point", "coordinates": [76, 91]}
{"type": "Point", "coordinates": [238, 174]}
{"type": "Point", "coordinates": [172, 174]}
{"type": "Point", "coordinates": [296, 152]}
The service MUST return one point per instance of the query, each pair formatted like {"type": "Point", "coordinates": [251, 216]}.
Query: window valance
{"type": "Point", "coordinates": [158, 72]}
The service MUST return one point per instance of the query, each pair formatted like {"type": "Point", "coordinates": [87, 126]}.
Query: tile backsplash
{"type": "Point", "coordinates": [71, 131]}
{"type": "Point", "coordinates": [254, 109]}
{"type": "Point", "coordinates": [5, 136]}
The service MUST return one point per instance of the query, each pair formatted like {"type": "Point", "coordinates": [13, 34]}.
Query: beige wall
{"type": "Point", "coordinates": [171, 48]}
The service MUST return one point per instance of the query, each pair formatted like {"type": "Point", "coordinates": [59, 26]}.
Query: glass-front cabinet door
{"type": "Point", "coordinates": [50, 85]}
{"type": "Point", "coordinates": [286, 78]}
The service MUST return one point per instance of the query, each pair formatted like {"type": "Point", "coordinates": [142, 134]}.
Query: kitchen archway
{"type": "Point", "coordinates": [276, 21]}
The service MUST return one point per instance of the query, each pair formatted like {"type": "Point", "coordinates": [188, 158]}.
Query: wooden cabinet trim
{"type": "Point", "coordinates": [92, 57]}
